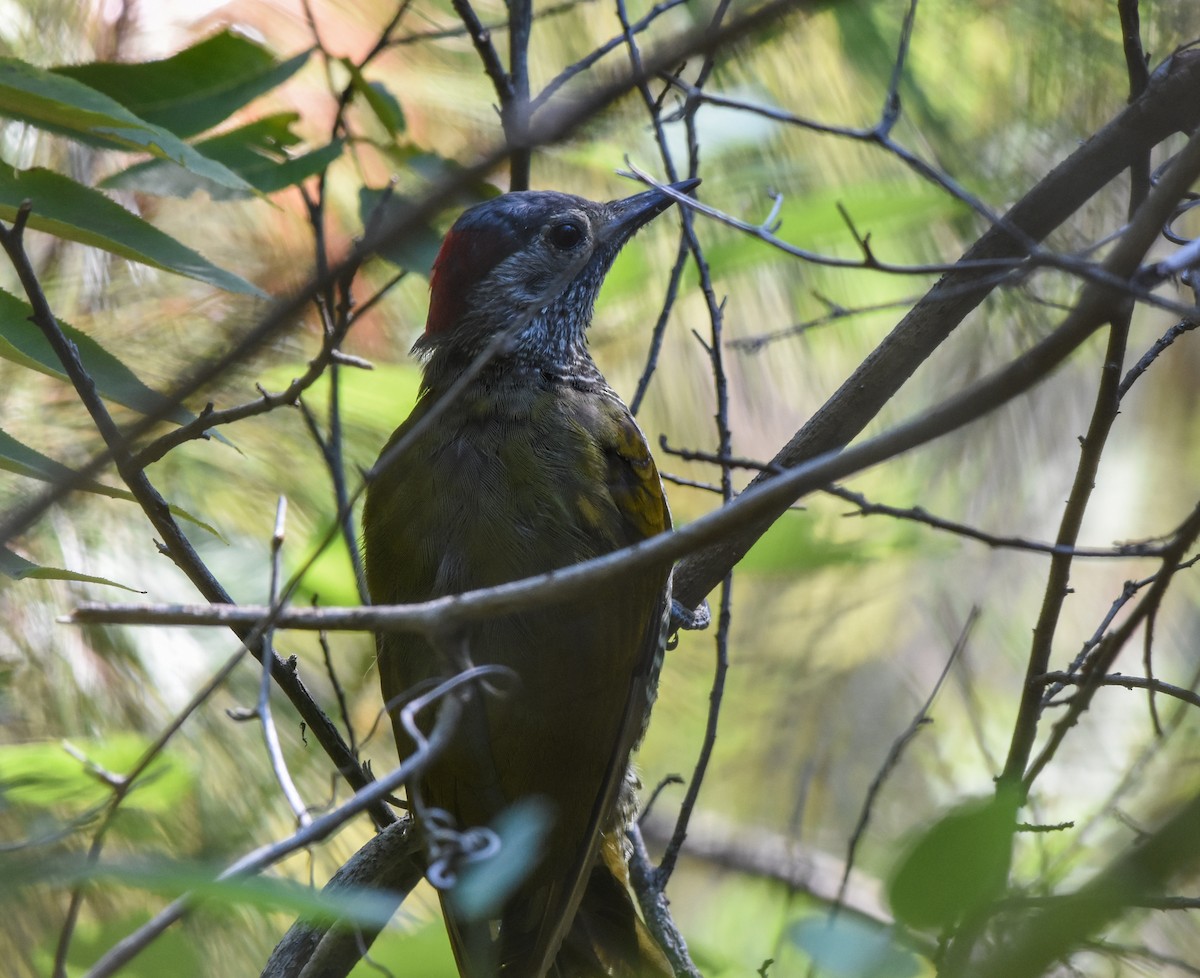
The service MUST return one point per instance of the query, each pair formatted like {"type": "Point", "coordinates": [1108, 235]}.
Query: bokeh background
{"type": "Point", "coordinates": [841, 625]}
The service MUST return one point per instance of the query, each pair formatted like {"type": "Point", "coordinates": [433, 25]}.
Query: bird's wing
{"type": "Point", "coordinates": [636, 489]}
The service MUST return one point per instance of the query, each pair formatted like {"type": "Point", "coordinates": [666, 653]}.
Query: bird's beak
{"type": "Point", "coordinates": [631, 213]}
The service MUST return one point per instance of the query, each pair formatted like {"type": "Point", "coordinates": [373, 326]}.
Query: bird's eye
{"type": "Point", "coordinates": [565, 236]}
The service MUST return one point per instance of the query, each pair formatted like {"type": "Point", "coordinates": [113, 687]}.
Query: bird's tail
{"type": "Point", "coordinates": [608, 939]}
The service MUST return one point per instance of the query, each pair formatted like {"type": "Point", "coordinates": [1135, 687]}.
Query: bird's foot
{"type": "Point", "coordinates": [688, 620]}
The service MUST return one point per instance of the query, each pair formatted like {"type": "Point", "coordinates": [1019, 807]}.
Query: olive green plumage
{"type": "Point", "coordinates": [536, 465]}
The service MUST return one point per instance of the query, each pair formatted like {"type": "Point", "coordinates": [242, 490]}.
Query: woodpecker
{"type": "Point", "coordinates": [535, 465]}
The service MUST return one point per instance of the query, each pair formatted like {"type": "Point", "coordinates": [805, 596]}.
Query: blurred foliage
{"type": "Point", "coordinates": [841, 626]}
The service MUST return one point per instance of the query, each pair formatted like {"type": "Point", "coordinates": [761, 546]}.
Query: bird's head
{"type": "Point", "coordinates": [530, 262]}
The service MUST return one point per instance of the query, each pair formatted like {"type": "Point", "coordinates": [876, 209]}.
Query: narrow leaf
{"type": "Point", "coordinates": [21, 459]}
{"type": "Point", "coordinates": [255, 152]}
{"type": "Point", "coordinates": [17, 568]}
{"type": "Point", "coordinates": [63, 105]}
{"type": "Point", "coordinates": [70, 210]}
{"type": "Point", "coordinates": [195, 89]}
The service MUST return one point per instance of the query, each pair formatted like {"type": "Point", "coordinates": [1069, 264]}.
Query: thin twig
{"type": "Point", "coordinates": [586, 62]}
{"type": "Point", "coordinates": [481, 37]}
{"type": "Point", "coordinates": [270, 734]}
{"type": "Point", "coordinates": [917, 514]}
{"type": "Point", "coordinates": [338, 692]}
{"type": "Point", "coordinates": [1106, 652]}
{"type": "Point", "coordinates": [1141, 548]}
{"type": "Point", "coordinates": [1164, 341]}
{"type": "Point", "coordinates": [1082, 269]}
{"type": "Point", "coordinates": [320, 828]}
{"type": "Point", "coordinates": [442, 33]}
{"type": "Point", "coordinates": [836, 312]}
{"type": "Point", "coordinates": [128, 783]}
{"type": "Point", "coordinates": [549, 127]}
{"type": "Point", "coordinates": [176, 543]}
{"type": "Point", "coordinates": [895, 752]}
{"type": "Point", "coordinates": [1191, 697]}
{"type": "Point", "coordinates": [1104, 414]}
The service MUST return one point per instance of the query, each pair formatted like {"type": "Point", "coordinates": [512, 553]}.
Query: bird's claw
{"type": "Point", "coordinates": [688, 620]}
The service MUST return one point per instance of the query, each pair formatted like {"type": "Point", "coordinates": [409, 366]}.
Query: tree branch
{"type": "Point", "coordinates": [1171, 103]}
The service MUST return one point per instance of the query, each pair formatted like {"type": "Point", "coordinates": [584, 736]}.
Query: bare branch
{"type": "Point", "coordinates": [263, 708]}
{"type": "Point", "coordinates": [1170, 103]}
{"type": "Point", "coordinates": [1191, 697]}
{"type": "Point", "coordinates": [1136, 876]}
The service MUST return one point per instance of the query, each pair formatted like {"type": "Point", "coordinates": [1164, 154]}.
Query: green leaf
{"type": "Point", "coordinates": [60, 104]}
{"type": "Point", "coordinates": [72, 211]}
{"type": "Point", "coordinates": [195, 89]}
{"type": "Point", "coordinates": [382, 103]}
{"type": "Point", "coordinates": [330, 576]}
{"type": "Point", "coordinates": [43, 773]}
{"type": "Point", "coordinates": [355, 905]}
{"type": "Point", "coordinates": [22, 342]}
{"type": "Point", "coordinates": [385, 106]}
{"type": "Point", "coordinates": [17, 568]}
{"type": "Point", "coordinates": [23, 460]}
{"type": "Point", "coordinates": [957, 866]}
{"type": "Point", "coordinates": [414, 252]}
{"type": "Point", "coordinates": [848, 947]}
{"type": "Point", "coordinates": [255, 152]}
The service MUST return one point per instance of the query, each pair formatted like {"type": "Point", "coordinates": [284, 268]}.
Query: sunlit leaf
{"type": "Point", "coordinates": [195, 89]}
{"type": "Point", "coordinates": [958, 865]}
{"type": "Point", "coordinates": [255, 152]}
{"type": "Point", "coordinates": [63, 105]}
{"type": "Point", "coordinates": [17, 568]}
{"type": "Point", "coordinates": [795, 542]}
{"type": "Point", "coordinates": [329, 579]}
{"type": "Point", "coordinates": [44, 773]}
{"type": "Point", "coordinates": [850, 947]}
{"type": "Point", "coordinates": [72, 211]}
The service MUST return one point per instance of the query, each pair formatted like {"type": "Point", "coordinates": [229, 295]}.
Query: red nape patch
{"type": "Point", "coordinates": [465, 259]}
